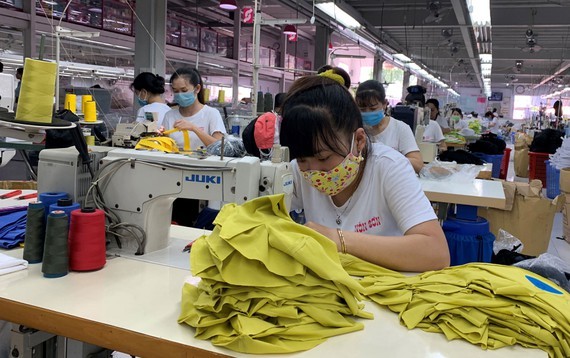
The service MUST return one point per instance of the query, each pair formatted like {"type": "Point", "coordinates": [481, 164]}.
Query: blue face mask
{"type": "Point", "coordinates": [185, 99]}
{"type": "Point", "coordinates": [142, 102]}
{"type": "Point", "coordinates": [372, 118]}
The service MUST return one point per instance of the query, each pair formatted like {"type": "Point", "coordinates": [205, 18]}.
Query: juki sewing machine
{"type": "Point", "coordinates": [140, 186]}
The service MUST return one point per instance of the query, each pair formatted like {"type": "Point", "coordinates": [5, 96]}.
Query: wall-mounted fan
{"type": "Point", "coordinates": [437, 12]}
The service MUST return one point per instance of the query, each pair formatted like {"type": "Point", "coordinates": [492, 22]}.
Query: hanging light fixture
{"type": "Point", "coordinates": [290, 30]}
{"type": "Point", "coordinates": [230, 5]}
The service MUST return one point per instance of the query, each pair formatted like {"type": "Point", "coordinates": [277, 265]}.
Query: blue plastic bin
{"type": "Point", "coordinates": [468, 240]}
{"type": "Point", "coordinates": [552, 180]}
{"type": "Point", "coordinates": [495, 159]}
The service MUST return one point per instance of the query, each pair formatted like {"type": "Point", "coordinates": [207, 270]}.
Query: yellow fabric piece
{"type": "Point", "coordinates": [268, 285]}
{"type": "Point", "coordinates": [164, 144]}
{"type": "Point", "coordinates": [185, 134]}
{"type": "Point", "coordinates": [489, 305]}
{"type": "Point", "coordinates": [35, 103]}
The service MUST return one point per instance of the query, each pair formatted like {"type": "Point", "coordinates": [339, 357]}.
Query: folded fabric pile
{"type": "Point", "coordinates": [267, 284]}
{"type": "Point", "coordinates": [12, 228]}
{"type": "Point", "coordinates": [489, 305]}
{"type": "Point", "coordinates": [10, 264]}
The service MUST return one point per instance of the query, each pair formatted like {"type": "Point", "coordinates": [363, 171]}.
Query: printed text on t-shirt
{"type": "Point", "coordinates": [364, 226]}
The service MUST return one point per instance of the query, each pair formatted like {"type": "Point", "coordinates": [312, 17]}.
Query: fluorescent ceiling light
{"type": "Point", "coordinates": [486, 58]}
{"type": "Point", "coordinates": [402, 57]}
{"type": "Point", "coordinates": [486, 66]}
{"type": "Point", "coordinates": [480, 12]}
{"type": "Point", "coordinates": [414, 66]}
{"type": "Point", "coordinates": [339, 15]}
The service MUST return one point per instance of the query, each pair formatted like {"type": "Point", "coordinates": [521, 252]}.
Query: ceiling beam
{"type": "Point", "coordinates": [564, 65]}
{"type": "Point", "coordinates": [461, 13]}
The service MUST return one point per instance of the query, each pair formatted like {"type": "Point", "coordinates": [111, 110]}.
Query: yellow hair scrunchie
{"type": "Point", "coordinates": [333, 76]}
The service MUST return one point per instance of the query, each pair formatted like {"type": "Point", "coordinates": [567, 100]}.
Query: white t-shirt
{"type": "Point", "coordinates": [208, 119]}
{"type": "Point", "coordinates": [463, 123]}
{"type": "Point", "coordinates": [398, 135]}
{"type": "Point", "coordinates": [442, 122]}
{"type": "Point", "coordinates": [388, 201]}
{"type": "Point", "coordinates": [155, 107]}
{"type": "Point", "coordinates": [494, 128]}
{"type": "Point", "coordinates": [433, 133]}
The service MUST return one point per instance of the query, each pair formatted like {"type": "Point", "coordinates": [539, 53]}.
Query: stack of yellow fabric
{"type": "Point", "coordinates": [268, 285]}
{"type": "Point", "coordinates": [489, 305]}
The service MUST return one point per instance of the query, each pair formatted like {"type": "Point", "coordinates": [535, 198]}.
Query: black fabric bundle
{"type": "Point", "coordinates": [460, 157]}
{"type": "Point", "coordinates": [547, 141]}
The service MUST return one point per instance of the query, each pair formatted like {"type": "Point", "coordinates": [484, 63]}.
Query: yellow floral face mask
{"type": "Point", "coordinates": [338, 178]}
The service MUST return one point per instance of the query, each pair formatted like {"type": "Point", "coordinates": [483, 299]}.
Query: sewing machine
{"type": "Point", "coordinates": [140, 186]}
{"type": "Point", "coordinates": [127, 135]}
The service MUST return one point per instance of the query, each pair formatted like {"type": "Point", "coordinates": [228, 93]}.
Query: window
{"type": "Point", "coordinates": [86, 12]}
{"type": "Point", "coordinates": [173, 28]}
{"type": "Point", "coordinates": [523, 107]}
{"type": "Point", "coordinates": [117, 16]}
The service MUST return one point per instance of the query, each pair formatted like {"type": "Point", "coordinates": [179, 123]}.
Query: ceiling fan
{"type": "Point", "coordinates": [437, 12]}
{"type": "Point", "coordinates": [531, 45]}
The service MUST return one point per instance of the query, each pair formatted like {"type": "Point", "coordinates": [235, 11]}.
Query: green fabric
{"type": "Point", "coordinates": [489, 305]}
{"type": "Point", "coordinates": [268, 285]}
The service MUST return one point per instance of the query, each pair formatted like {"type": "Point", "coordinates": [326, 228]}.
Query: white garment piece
{"type": "Point", "coordinates": [9, 264]}
{"type": "Point", "coordinates": [398, 135]}
{"type": "Point", "coordinates": [433, 133]}
{"type": "Point", "coordinates": [159, 108]}
{"type": "Point", "coordinates": [208, 120]}
{"type": "Point", "coordinates": [442, 122]}
{"type": "Point", "coordinates": [494, 128]}
{"type": "Point", "coordinates": [388, 201]}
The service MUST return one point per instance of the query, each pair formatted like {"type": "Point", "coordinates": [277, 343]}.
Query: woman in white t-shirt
{"type": "Point", "coordinates": [457, 119]}
{"type": "Point", "coordinates": [363, 196]}
{"type": "Point", "coordinates": [148, 89]}
{"type": "Point", "coordinates": [371, 99]}
{"type": "Point", "coordinates": [204, 123]}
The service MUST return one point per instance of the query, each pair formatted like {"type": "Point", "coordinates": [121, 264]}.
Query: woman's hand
{"type": "Point", "coordinates": [326, 231]}
{"type": "Point", "coordinates": [160, 130]}
{"type": "Point", "coordinates": [185, 125]}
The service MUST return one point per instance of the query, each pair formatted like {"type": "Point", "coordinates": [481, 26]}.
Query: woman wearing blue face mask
{"type": "Point", "coordinates": [203, 123]}
{"type": "Point", "coordinates": [363, 196]}
{"type": "Point", "coordinates": [148, 89]}
{"type": "Point", "coordinates": [371, 99]}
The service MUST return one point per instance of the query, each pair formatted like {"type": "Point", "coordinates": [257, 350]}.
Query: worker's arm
{"type": "Point", "coordinates": [416, 160]}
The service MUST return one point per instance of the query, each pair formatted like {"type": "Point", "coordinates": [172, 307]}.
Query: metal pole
{"type": "Point", "coordinates": [256, 40]}
{"type": "Point", "coordinates": [57, 43]}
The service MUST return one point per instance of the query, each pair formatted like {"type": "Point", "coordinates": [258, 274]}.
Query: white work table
{"type": "Point", "coordinates": [132, 306]}
{"type": "Point", "coordinates": [487, 193]}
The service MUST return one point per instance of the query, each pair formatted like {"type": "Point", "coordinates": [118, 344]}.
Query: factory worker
{"type": "Point", "coordinates": [457, 119]}
{"type": "Point", "coordinates": [433, 105]}
{"type": "Point", "coordinates": [148, 89]}
{"type": "Point", "coordinates": [364, 196]}
{"type": "Point", "coordinates": [371, 99]}
{"type": "Point", "coordinates": [203, 123]}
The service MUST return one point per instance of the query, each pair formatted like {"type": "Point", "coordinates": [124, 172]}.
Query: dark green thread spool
{"type": "Point", "coordinates": [35, 233]}
{"type": "Point", "coordinates": [56, 252]}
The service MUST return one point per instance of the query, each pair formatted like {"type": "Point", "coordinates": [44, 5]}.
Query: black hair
{"type": "Point", "coordinates": [1, 67]}
{"type": "Point", "coordinates": [494, 110]}
{"type": "Point", "coordinates": [318, 113]}
{"type": "Point", "coordinates": [369, 92]}
{"type": "Point", "coordinates": [336, 70]}
{"type": "Point", "coordinates": [193, 77]}
{"type": "Point", "coordinates": [433, 101]}
{"type": "Point", "coordinates": [20, 70]}
{"type": "Point", "coordinates": [458, 110]}
{"type": "Point", "coordinates": [279, 99]}
{"type": "Point", "coordinates": [150, 82]}
{"type": "Point", "coordinates": [488, 114]}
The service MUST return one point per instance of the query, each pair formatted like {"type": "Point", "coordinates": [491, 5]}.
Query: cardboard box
{"type": "Point", "coordinates": [18, 184]}
{"type": "Point", "coordinates": [527, 215]}
{"type": "Point", "coordinates": [522, 144]}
